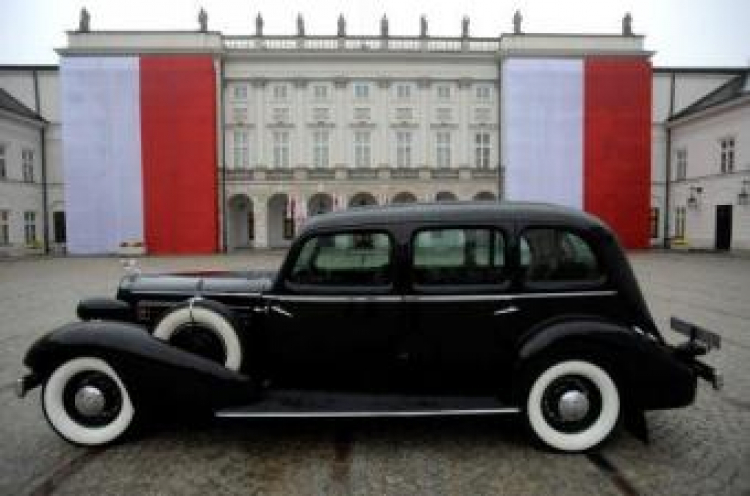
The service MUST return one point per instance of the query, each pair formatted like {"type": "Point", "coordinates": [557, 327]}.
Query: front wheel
{"type": "Point", "coordinates": [86, 402]}
{"type": "Point", "coordinates": [573, 405]}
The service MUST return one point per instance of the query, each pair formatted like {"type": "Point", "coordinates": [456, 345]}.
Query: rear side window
{"type": "Point", "coordinates": [356, 259]}
{"type": "Point", "coordinates": [458, 257]}
{"type": "Point", "coordinates": [557, 257]}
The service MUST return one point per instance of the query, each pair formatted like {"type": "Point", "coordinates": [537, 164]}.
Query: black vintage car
{"type": "Point", "coordinates": [445, 309]}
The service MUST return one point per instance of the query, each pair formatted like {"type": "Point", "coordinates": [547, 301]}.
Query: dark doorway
{"type": "Point", "coordinates": [58, 221]}
{"type": "Point", "coordinates": [723, 227]}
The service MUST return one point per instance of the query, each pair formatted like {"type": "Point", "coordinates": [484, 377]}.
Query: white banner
{"type": "Point", "coordinates": [542, 119]}
{"type": "Point", "coordinates": [101, 152]}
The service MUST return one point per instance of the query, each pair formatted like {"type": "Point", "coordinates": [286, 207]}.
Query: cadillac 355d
{"type": "Point", "coordinates": [416, 310]}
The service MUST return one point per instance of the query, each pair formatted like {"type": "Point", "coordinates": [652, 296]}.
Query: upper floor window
{"type": "Point", "coordinates": [280, 92]}
{"type": "Point", "coordinates": [403, 91]}
{"type": "Point", "coordinates": [281, 149]}
{"type": "Point", "coordinates": [451, 257]}
{"type": "Point", "coordinates": [443, 148]}
{"type": "Point", "coordinates": [281, 114]}
{"type": "Point", "coordinates": [240, 114]}
{"type": "Point", "coordinates": [320, 92]}
{"type": "Point", "coordinates": [361, 90]}
{"type": "Point", "coordinates": [483, 92]}
{"type": "Point", "coordinates": [482, 150]}
{"type": "Point", "coordinates": [320, 148]}
{"type": "Point", "coordinates": [239, 92]}
{"type": "Point", "coordinates": [482, 114]}
{"type": "Point", "coordinates": [362, 114]}
{"type": "Point", "coordinates": [680, 171]}
{"type": "Point", "coordinates": [727, 155]}
{"type": "Point", "coordinates": [353, 261]}
{"type": "Point", "coordinates": [403, 148]}
{"type": "Point", "coordinates": [4, 227]}
{"type": "Point", "coordinates": [443, 92]}
{"type": "Point", "coordinates": [555, 257]}
{"type": "Point", "coordinates": [362, 155]}
{"type": "Point", "coordinates": [444, 114]}
{"type": "Point", "coordinates": [3, 162]}
{"type": "Point", "coordinates": [321, 114]}
{"type": "Point", "coordinates": [404, 114]}
{"type": "Point", "coordinates": [241, 149]}
{"type": "Point", "coordinates": [27, 165]}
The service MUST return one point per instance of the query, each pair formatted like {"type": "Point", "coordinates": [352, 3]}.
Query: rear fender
{"type": "Point", "coordinates": [152, 370]}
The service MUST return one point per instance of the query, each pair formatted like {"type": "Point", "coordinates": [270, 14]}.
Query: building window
{"type": "Point", "coordinates": [727, 155]}
{"type": "Point", "coordinates": [679, 222]}
{"type": "Point", "coordinates": [443, 92]}
{"type": "Point", "coordinates": [29, 228]}
{"type": "Point", "coordinates": [482, 114]}
{"type": "Point", "coordinates": [241, 150]}
{"type": "Point", "coordinates": [239, 92]}
{"type": "Point", "coordinates": [483, 92]}
{"type": "Point", "coordinates": [58, 223]}
{"type": "Point", "coordinates": [403, 148]}
{"type": "Point", "coordinates": [321, 114]}
{"type": "Point", "coordinates": [280, 92]}
{"type": "Point", "coordinates": [288, 228]}
{"type": "Point", "coordinates": [280, 114]}
{"type": "Point", "coordinates": [3, 162]}
{"type": "Point", "coordinates": [320, 92]}
{"type": "Point", "coordinates": [4, 227]}
{"type": "Point", "coordinates": [320, 148]}
{"type": "Point", "coordinates": [482, 150]}
{"type": "Point", "coordinates": [404, 114]}
{"type": "Point", "coordinates": [403, 91]}
{"type": "Point", "coordinates": [680, 171]}
{"type": "Point", "coordinates": [362, 114]}
{"type": "Point", "coordinates": [27, 165]}
{"type": "Point", "coordinates": [443, 148]}
{"type": "Point", "coordinates": [362, 149]}
{"type": "Point", "coordinates": [654, 222]}
{"type": "Point", "coordinates": [444, 114]}
{"type": "Point", "coordinates": [281, 149]}
{"type": "Point", "coordinates": [361, 90]}
{"type": "Point", "coordinates": [240, 114]}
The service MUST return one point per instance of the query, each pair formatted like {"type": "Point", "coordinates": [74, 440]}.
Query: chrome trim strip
{"type": "Point", "coordinates": [358, 414]}
{"type": "Point", "coordinates": [436, 297]}
{"type": "Point", "coordinates": [506, 310]}
{"type": "Point", "coordinates": [191, 293]}
{"type": "Point", "coordinates": [338, 298]}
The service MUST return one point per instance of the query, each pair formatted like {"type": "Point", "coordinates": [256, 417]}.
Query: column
{"type": "Point", "coordinates": [260, 220]}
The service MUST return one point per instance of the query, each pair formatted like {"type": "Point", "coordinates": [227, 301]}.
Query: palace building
{"type": "Point", "coordinates": [197, 142]}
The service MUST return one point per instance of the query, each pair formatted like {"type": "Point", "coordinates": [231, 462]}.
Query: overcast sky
{"type": "Point", "coordinates": [682, 32]}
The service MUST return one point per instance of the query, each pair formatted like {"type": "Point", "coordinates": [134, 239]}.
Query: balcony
{"type": "Point", "coordinates": [380, 173]}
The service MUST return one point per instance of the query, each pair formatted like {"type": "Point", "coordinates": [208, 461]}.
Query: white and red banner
{"type": "Point", "coordinates": [139, 153]}
{"type": "Point", "coordinates": [577, 133]}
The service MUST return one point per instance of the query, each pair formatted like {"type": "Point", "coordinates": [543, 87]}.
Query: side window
{"type": "Point", "coordinates": [458, 257]}
{"type": "Point", "coordinates": [346, 260]}
{"type": "Point", "coordinates": [556, 257]}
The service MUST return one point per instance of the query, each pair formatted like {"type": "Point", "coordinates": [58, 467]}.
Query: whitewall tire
{"type": "Point", "coordinates": [573, 405]}
{"type": "Point", "coordinates": [86, 402]}
{"type": "Point", "coordinates": [206, 319]}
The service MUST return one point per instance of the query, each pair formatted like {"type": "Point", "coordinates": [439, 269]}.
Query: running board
{"type": "Point", "coordinates": [315, 404]}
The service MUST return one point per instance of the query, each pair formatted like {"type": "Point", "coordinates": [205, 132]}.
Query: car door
{"type": "Point", "coordinates": [334, 321]}
{"type": "Point", "coordinates": [461, 320]}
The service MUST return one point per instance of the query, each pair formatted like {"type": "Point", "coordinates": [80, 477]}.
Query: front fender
{"type": "Point", "coordinates": [151, 369]}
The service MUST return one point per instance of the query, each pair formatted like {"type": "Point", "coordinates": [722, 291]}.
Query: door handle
{"type": "Point", "coordinates": [281, 311]}
{"type": "Point", "coordinates": [506, 310]}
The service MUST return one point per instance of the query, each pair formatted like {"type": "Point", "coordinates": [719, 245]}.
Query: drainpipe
{"type": "Point", "coordinates": [43, 159]}
{"type": "Point", "coordinates": [668, 171]}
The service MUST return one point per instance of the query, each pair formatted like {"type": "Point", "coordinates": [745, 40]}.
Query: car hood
{"type": "Point", "coordinates": [190, 283]}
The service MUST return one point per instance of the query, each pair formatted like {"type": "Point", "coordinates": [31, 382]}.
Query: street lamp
{"type": "Point", "coordinates": [693, 199]}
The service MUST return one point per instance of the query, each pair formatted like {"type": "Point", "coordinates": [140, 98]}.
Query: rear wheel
{"type": "Point", "coordinates": [86, 402]}
{"type": "Point", "coordinates": [572, 405]}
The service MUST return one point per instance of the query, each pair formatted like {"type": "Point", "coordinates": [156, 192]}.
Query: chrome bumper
{"type": "Point", "coordinates": [25, 384]}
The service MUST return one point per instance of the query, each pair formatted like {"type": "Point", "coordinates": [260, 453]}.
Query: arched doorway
{"type": "Point", "coordinates": [485, 196]}
{"type": "Point", "coordinates": [362, 200]}
{"type": "Point", "coordinates": [319, 203]}
{"type": "Point", "coordinates": [445, 196]}
{"type": "Point", "coordinates": [240, 222]}
{"type": "Point", "coordinates": [404, 197]}
{"type": "Point", "coordinates": [280, 221]}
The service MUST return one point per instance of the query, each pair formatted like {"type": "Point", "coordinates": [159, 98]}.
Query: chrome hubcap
{"type": "Point", "coordinates": [89, 401]}
{"type": "Point", "coordinates": [573, 406]}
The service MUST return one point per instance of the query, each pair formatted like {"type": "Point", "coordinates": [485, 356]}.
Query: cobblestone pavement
{"type": "Point", "coordinates": [703, 449]}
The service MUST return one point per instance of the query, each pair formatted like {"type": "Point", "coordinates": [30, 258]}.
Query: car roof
{"type": "Point", "coordinates": [453, 212]}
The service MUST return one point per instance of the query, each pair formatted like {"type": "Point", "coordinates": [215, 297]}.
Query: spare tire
{"type": "Point", "coordinates": [205, 328]}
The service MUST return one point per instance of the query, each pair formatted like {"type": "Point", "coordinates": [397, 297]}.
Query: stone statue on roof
{"type": "Point", "coordinates": [465, 27]}
{"type": "Point", "coordinates": [627, 25]}
{"type": "Point", "coordinates": [517, 19]}
{"type": "Point", "coordinates": [259, 25]}
{"type": "Point", "coordinates": [342, 25]}
{"type": "Point", "coordinates": [300, 25]}
{"type": "Point", "coordinates": [384, 27]}
{"type": "Point", "coordinates": [203, 20]}
{"type": "Point", "coordinates": [84, 21]}
{"type": "Point", "coordinates": [423, 26]}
